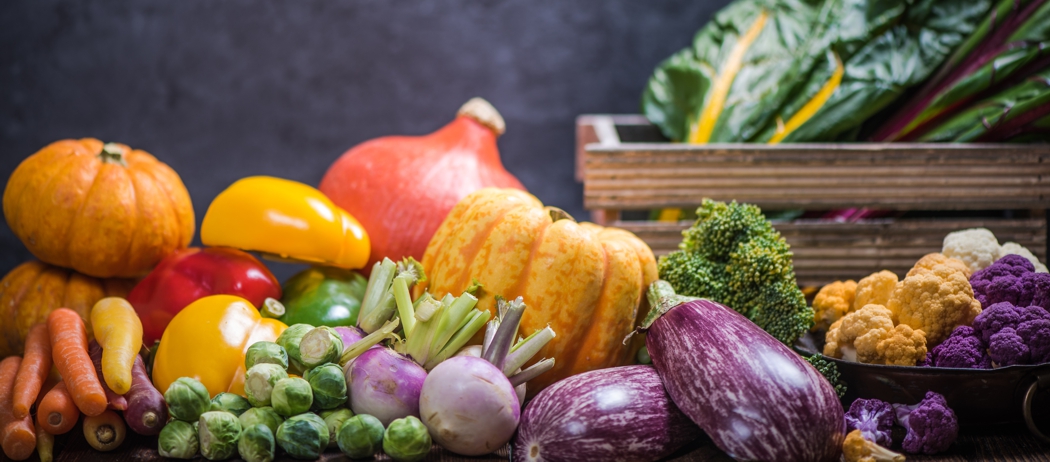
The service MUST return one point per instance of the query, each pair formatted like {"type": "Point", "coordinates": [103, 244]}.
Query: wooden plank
{"type": "Point", "coordinates": [828, 251]}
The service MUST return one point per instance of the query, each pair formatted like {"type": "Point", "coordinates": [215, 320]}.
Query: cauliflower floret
{"type": "Point", "coordinates": [902, 346]}
{"type": "Point", "coordinates": [930, 260]}
{"type": "Point", "coordinates": [976, 247]}
{"type": "Point", "coordinates": [856, 336]}
{"type": "Point", "coordinates": [1013, 248]}
{"type": "Point", "coordinates": [935, 299]}
{"type": "Point", "coordinates": [856, 448]}
{"type": "Point", "coordinates": [875, 289]}
{"type": "Point", "coordinates": [832, 302]}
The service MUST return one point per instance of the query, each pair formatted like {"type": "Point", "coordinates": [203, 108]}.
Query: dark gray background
{"type": "Point", "coordinates": [220, 90]}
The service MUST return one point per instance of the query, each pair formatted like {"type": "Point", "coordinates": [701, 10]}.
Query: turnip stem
{"type": "Point", "coordinates": [475, 321]}
{"type": "Point", "coordinates": [378, 284]}
{"type": "Point", "coordinates": [354, 350]}
{"type": "Point", "coordinates": [404, 304]}
{"type": "Point", "coordinates": [526, 349]}
{"type": "Point", "coordinates": [490, 331]}
{"type": "Point", "coordinates": [423, 334]}
{"type": "Point", "coordinates": [451, 321]}
{"type": "Point", "coordinates": [532, 372]}
{"type": "Point", "coordinates": [507, 332]}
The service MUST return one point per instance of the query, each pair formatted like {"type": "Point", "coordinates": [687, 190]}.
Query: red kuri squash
{"type": "Point", "coordinates": [401, 187]}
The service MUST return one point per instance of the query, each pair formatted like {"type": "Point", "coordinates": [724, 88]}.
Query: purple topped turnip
{"type": "Point", "coordinates": [756, 398]}
{"type": "Point", "coordinates": [384, 384]}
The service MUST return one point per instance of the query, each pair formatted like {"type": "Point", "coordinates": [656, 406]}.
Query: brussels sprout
{"type": "Point", "coordinates": [289, 340]}
{"type": "Point", "coordinates": [334, 419]}
{"type": "Point", "coordinates": [259, 382]}
{"type": "Point", "coordinates": [261, 415]}
{"type": "Point", "coordinates": [406, 440]}
{"type": "Point", "coordinates": [229, 402]}
{"type": "Point", "coordinates": [291, 396]}
{"type": "Point", "coordinates": [219, 431]}
{"type": "Point", "coordinates": [256, 444]}
{"type": "Point", "coordinates": [265, 353]}
{"type": "Point", "coordinates": [320, 345]}
{"type": "Point", "coordinates": [360, 437]}
{"type": "Point", "coordinates": [304, 436]}
{"type": "Point", "coordinates": [328, 384]}
{"type": "Point", "coordinates": [178, 440]}
{"type": "Point", "coordinates": [187, 399]}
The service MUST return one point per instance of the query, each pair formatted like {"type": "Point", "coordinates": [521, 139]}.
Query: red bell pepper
{"type": "Point", "coordinates": [190, 274]}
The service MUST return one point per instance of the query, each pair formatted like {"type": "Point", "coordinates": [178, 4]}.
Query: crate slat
{"type": "Point", "coordinates": [825, 252]}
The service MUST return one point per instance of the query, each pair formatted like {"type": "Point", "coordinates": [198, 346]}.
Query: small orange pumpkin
{"type": "Point", "coordinates": [33, 290]}
{"type": "Point", "coordinates": [587, 282]}
{"type": "Point", "coordinates": [104, 210]}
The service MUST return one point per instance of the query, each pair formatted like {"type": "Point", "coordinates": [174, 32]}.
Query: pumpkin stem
{"type": "Point", "coordinates": [558, 214]}
{"type": "Point", "coordinates": [113, 153]}
{"type": "Point", "coordinates": [483, 113]}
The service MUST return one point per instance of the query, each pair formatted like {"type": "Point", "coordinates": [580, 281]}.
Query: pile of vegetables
{"type": "Point", "coordinates": [934, 316]}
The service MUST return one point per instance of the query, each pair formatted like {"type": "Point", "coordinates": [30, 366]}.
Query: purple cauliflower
{"type": "Point", "coordinates": [931, 424]}
{"type": "Point", "coordinates": [1036, 335]}
{"type": "Point", "coordinates": [962, 349]}
{"type": "Point", "coordinates": [994, 318]}
{"type": "Point", "coordinates": [874, 419]}
{"type": "Point", "coordinates": [1007, 348]}
{"type": "Point", "coordinates": [1033, 312]}
{"type": "Point", "coordinates": [1011, 279]}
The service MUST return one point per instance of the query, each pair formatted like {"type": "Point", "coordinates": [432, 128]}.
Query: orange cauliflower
{"type": "Point", "coordinates": [832, 302]}
{"type": "Point", "coordinates": [935, 297]}
{"type": "Point", "coordinates": [903, 346]}
{"type": "Point", "coordinates": [856, 336]}
{"type": "Point", "coordinates": [875, 289]}
{"type": "Point", "coordinates": [931, 260]}
{"type": "Point", "coordinates": [857, 449]}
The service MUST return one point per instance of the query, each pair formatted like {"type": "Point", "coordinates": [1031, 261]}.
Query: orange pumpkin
{"type": "Point", "coordinates": [104, 210]}
{"type": "Point", "coordinates": [33, 290]}
{"type": "Point", "coordinates": [587, 282]}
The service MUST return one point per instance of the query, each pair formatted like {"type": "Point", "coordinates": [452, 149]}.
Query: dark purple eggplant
{"type": "Point", "coordinates": [753, 396]}
{"type": "Point", "coordinates": [147, 412]}
{"type": "Point", "coordinates": [622, 413]}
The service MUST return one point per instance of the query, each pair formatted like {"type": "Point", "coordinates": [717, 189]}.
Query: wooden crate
{"type": "Point", "coordinates": [624, 166]}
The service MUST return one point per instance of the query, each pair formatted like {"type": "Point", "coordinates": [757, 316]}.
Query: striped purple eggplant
{"type": "Point", "coordinates": [753, 396]}
{"type": "Point", "coordinates": [622, 413]}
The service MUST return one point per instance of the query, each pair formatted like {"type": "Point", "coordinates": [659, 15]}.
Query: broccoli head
{"type": "Point", "coordinates": [732, 255]}
{"type": "Point", "coordinates": [931, 424]}
{"type": "Point", "coordinates": [874, 418]}
{"type": "Point", "coordinates": [831, 372]}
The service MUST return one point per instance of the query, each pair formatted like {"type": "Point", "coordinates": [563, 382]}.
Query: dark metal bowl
{"type": "Point", "coordinates": [978, 396]}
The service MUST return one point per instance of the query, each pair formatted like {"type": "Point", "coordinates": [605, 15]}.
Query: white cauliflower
{"type": "Point", "coordinates": [1018, 249]}
{"type": "Point", "coordinates": [977, 247]}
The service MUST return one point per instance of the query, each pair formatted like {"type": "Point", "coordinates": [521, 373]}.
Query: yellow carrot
{"type": "Point", "coordinates": [119, 331]}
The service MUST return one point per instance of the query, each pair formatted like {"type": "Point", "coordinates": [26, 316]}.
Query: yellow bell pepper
{"type": "Point", "coordinates": [207, 341]}
{"type": "Point", "coordinates": [288, 219]}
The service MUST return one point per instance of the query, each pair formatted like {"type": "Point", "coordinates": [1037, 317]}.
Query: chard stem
{"type": "Point", "coordinates": [475, 321]}
{"type": "Point", "coordinates": [527, 349]}
{"type": "Point", "coordinates": [506, 333]}
{"type": "Point", "coordinates": [355, 349]}
{"type": "Point", "coordinates": [532, 372]}
{"type": "Point", "coordinates": [404, 305]}
{"type": "Point", "coordinates": [378, 286]}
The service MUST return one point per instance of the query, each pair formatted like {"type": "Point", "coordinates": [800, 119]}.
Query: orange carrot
{"type": "Point", "coordinates": [57, 413]}
{"type": "Point", "coordinates": [17, 436]}
{"type": "Point", "coordinates": [69, 351]}
{"type": "Point", "coordinates": [36, 364]}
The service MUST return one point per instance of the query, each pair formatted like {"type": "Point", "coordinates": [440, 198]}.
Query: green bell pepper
{"type": "Point", "coordinates": [322, 296]}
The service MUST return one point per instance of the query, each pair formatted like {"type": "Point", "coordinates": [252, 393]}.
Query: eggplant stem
{"type": "Point", "coordinates": [532, 372]}
{"type": "Point", "coordinates": [526, 349]}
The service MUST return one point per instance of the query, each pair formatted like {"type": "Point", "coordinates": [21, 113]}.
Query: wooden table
{"type": "Point", "coordinates": [999, 443]}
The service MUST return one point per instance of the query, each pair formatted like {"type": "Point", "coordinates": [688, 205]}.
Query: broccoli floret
{"type": "Point", "coordinates": [931, 424]}
{"type": "Point", "coordinates": [732, 255]}
{"type": "Point", "coordinates": [831, 372]}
